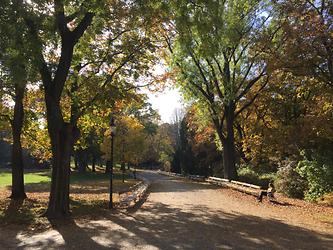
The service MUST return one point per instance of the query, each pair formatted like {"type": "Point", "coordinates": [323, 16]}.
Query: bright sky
{"type": "Point", "coordinates": [166, 102]}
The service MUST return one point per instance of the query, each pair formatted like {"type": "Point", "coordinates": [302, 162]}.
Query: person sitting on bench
{"type": "Point", "coordinates": [269, 193]}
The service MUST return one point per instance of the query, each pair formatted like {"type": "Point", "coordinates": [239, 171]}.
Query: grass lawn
{"type": "Point", "coordinates": [89, 194]}
{"type": "Point", "coordinates": [34, 177]}
{"type": "Point", "coordinates": [44, 177]}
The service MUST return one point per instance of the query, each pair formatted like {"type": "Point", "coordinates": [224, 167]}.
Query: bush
{"type": "Point", "coordinates": [289, 182]}
{"type": "Point", "coordinates": [318, 171]}
{"type": "Point", "coordinates": [165, 161]}
{"type": "Point", "coordinates": [248, 175]}
{"type": "Point", "coordinates": [326, 199]}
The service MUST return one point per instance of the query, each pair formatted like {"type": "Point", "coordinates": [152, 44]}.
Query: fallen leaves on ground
{"type": "Point", "coordinates": [88, 199]}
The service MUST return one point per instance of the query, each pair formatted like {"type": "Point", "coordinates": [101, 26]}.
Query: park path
{"type": "Point", "coordinates": [179, 214]}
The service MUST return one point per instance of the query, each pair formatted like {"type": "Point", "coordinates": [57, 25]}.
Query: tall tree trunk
{"type": "Point", "coordinates": [59, 196]}
{"type": "Point", "coordinates": [82, 160]}
{"type": "Point", "coordinates": [62, 135]}
{"type": "Point", "coordinates": [93, 163]}
{"type": "Point", "coordinates": [76, 164]}
{"type": "Point", "coordinates": [228, 143]}
{"type": "Point", "coordinates": [229, 162]}
{"type": "Point", "coordinates": [17, 158]}
{"type": "Point", "coordinates": [108, 167]}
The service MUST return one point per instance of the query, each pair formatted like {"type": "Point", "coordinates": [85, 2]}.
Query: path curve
{"type": "Point", "coordinates": [179, 214]}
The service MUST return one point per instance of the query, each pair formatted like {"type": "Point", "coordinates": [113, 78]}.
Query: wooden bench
{"type": "Point", "coordinates": [236, 185]}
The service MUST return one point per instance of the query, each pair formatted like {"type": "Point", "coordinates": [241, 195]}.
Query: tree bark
{"type": "Point", "coordinates": [108, 167]}
{"type": "Point", "coordinates": [82, 160]}
{"type": "Point", "coordinates": [93, 163]}
{"type": "Point", "coordinates": [62, 145]}
{"type": "Point", "coordinates": [229, 162]}
{"type": "Point", "coordinates": [18, 191]}
{"type": "Point", "coordinates": [123, 169]}
{"type": "Point", "coordinates": [76, 164]}
{"type": "Point", "coordinates": [228, 141]}
{"type": "Point", "coordinates": [62, 135]}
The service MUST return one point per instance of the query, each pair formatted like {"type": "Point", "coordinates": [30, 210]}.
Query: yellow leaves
{"type": "Point", "coordinates": [37, 141]}
{"type": "Point", "coordinates": [128, 140]}
{"type": "Point", "coordinates": [328, 108]}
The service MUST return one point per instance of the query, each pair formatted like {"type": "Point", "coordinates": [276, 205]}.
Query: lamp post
{"type": "Point", "coordinates": [113, 133]}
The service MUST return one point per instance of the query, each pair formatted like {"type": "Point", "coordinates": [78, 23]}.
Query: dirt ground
{"type": "Point", "coordinates": [179, 214]}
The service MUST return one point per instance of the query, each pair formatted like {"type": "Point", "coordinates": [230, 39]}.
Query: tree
{"type": "Point", "coordinates": [76, 25]}
{"type": "Point", "coordinates": [14, 60]}
{"type": "Point", "coordinates": [136, 122]}
{"type": "Point", "coordinates": [128, 143]}
{"type": "Point", "coordinates": [293, 114]}
{"type": "Point", "coordinates": [217, 60]}
{"type": "Point", "coordinates": [196, 151]}
{"type": "Point", "coordinates": [16, 83]}
{"type": "Point", "coordinates": [307, 48]}
{"type": "Point", "coordinates": [62, 133]}
{"type": "Point", "coordinates": [296, 107]}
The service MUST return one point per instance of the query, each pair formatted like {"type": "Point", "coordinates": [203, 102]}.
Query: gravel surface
{"type": "Point", "coordinates": [179, 214]}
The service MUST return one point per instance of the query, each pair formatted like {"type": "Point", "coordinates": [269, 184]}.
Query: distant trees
{"type": "Point", "coordinates": [197, 152]}
{"type": "Point", "coordinates": [139, 139]}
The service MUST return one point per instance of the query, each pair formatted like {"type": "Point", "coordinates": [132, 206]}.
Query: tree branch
{"type": "Point", "coordinates": [42, 66]}
{"type": "Point", "coordinates": [249, 103]}
{"type": "Point", "coordinates": [219, 92]}
{"type": "Point", "coordinates": [78, 32]}
{"type": "Point", "coordinates": [60, 18]}
{"type": "Point", "coordinates": [250, 84]}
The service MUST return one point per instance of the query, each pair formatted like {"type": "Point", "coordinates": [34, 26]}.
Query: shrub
{"type": "Point", "coordinates": [326, 199]}
{"type": "Point", "coordinates": [289, 182]}
{"type": "Point", "coordinates": [248, 175]}
{"type": "Point", "coordinates": [318, 171]}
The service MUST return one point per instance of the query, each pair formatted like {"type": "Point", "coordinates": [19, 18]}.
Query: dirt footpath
{"type": "Point", "coordinates": [179, 214]}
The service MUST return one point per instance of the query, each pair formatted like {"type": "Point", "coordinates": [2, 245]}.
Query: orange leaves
{"type": "Point", "coordinates": [205, 135]}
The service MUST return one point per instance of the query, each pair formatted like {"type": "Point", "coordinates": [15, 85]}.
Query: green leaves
{"type": "Point", "coordinates": [317, 170]}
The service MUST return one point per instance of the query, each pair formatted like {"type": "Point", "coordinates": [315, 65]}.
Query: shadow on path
{"type": "Point", "coordinates": [164, 227]}
{"type": "Point", "coordinates": [76, 237]}
{"type": "Point", "coordinates": [201, 228]}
